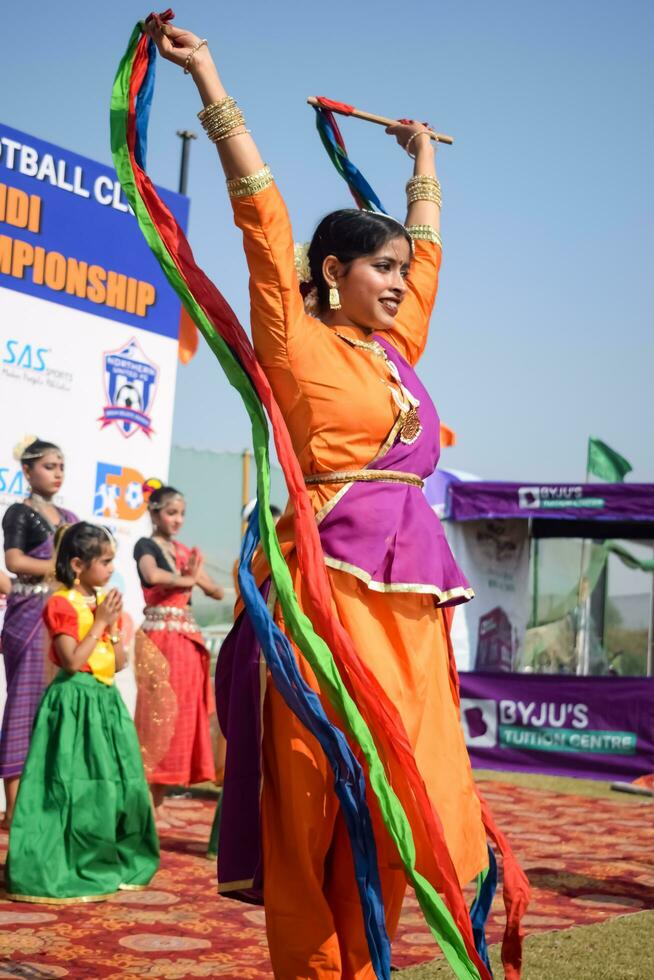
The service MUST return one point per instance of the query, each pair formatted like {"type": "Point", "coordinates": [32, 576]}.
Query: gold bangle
{"type": "Point", "coordinates": [216, 132]}
{"type": "Point", "coordinates": [425, 233]}
{"type": "Point", "coordinates": [221, 115]}
{"type": "Point", "coordinates": [252, 184]}
{"type": "Point", "coordinates": [215, 107]}
{"type": "Point", "coordinates": [424, 195]}
{"type": "Point", "coordinates": [424, 187]}
{"type": "Point", "coordinates": [423, 179]}
{"type": "Point", "coordinates": [228, 136]}
{"type": "Point", "coordinates": [218, 110]}
{"type": "Point", "coordinates": [221, 119]}
{"type": "Point", "coordinates": [421, 132]}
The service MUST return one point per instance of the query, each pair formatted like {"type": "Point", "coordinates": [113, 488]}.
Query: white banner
{"type": "Point", "coordinates": [488, 632]}
{"type": "Point", "coordinates": [88, 342]}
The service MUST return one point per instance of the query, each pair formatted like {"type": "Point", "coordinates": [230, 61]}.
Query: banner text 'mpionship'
{"type": "Point", "coordinates": [60, 236]}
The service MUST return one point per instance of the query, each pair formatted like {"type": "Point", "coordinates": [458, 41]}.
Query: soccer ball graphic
{"type": "Point", "coordinates": [128, 396]}
{"type": "Point", "coordinates": [134, 495]}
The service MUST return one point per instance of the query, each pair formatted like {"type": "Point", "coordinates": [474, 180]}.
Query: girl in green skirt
{"type": "Point", "coordinates": [83, 825]}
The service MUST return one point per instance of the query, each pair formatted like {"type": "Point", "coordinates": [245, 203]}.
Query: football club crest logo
{"type": "Point", "coordinates": [130, 381]}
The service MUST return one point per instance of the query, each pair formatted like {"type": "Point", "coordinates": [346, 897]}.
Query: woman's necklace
{"type": "Point", "coordinates": [167, 549]}
{"type": "Point", "coordinates": [39, 504]}
{"type": "Point", "coordinates": [411, 426]}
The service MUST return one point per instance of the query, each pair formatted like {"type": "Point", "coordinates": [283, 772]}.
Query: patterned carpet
{"type": "Point", "coordinates": [588, 860]}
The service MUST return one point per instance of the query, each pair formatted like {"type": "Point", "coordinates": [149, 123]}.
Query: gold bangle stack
{"type": "Point", "coordinates": [221, 119]}
{"type": "Point", "coordinates": [252, 184]}
{"type": "Point", "coordinates": [425, 233]}
{"type": "Point", "coordinates": [423, 188]}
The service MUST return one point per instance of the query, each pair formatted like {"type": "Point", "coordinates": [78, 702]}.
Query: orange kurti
{"type": "Point", "coordinates": [339, 414]}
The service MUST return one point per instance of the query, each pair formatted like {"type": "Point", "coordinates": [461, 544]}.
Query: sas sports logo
{"type": "Point", "coordinates": [13, 485]}
{"type": "Point", "coordinates": [118, 493]}
{"type": "Point", "coordinates": [30, 363]}
{"type": "Point", "coordinates": [130, 381]}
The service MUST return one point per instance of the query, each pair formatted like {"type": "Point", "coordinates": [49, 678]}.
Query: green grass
{"type": "Point", "coordinates": [618, 949]}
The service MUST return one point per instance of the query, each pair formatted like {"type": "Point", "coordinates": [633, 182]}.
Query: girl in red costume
{"type": "Point", "coordinates": [174, 699]}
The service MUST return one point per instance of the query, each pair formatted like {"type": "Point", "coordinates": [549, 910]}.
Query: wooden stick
{"type": "Point", "coordinates": [381, 120]}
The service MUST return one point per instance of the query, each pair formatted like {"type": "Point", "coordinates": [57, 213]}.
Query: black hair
{"type": "Point", "coordinates": [159, 497]}
{"type": "Point", "coordinates": [82, 540]}
{"type": "Point", "coordinates": [36, 450]}
{"type": "Point", "coordinates": [349, 234]}
{"type": "Point", "coordinates": [275, 511]}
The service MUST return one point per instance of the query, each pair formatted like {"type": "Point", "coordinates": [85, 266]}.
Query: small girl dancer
{"type": "Point", "coordinates": [175, 698]}
{"type": "Point", "coordinates": [83, 825]}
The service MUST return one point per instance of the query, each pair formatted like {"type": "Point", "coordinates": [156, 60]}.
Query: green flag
{"type": "Point", "coordinates": [605, 463]}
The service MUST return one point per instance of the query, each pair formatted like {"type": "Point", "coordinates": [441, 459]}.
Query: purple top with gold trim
{"type": "Point", "coordinates": [386, 534]}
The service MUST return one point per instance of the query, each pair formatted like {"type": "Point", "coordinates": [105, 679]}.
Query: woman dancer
{"type": "Point", "coordinates": [174, 699]}
{"type": "Point", "coordinates": [355, 410]}
{"type": "Point", "coordinates": [83, 825]}
{"type": "Point", "coordinates": [28, 542]}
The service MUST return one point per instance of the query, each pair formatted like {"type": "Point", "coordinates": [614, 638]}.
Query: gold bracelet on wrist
{"type": "Point", "coordinates": [252, 184]}
{"type": "Point", "coordinates": [421, 132]}
{"type": "Point", "coordinates": [425, 233]}
{"type": "Point", "coordinates": [191, 55]}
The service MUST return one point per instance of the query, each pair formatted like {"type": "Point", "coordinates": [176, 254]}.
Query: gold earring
{"type": "Point", "coordinates": [75, 581]}
{"type": "Point", "coordinates": [334, 298]}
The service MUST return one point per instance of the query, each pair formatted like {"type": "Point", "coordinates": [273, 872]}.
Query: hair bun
{"type": "Point", "coordinates": [21, 446]}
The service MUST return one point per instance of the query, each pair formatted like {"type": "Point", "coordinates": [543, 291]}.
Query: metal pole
{"type": "Point", "coordinates": [534, 598]}
{"type": "Point", "coordinates": [186, 136]}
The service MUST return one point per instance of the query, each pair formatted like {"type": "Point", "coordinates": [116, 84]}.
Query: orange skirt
{"type": "Point", "coordinates": [312, 909]}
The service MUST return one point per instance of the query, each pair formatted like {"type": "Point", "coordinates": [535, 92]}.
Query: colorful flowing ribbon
{"type": "Point", "coordinates": [334, 144]}
{"type": "Point", "coordinates": [482, 905]}
{"type": "Point", "coordinates": [349, 780]}
{"type": "Point", "coordinates": [405, 809]}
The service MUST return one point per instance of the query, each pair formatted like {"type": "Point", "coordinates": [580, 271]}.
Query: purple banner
{"type": "Point", "coordinates": [595, 727]}
{"type": "Point", "coordinates": [474, 501]}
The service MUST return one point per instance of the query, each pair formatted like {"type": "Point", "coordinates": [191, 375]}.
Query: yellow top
{"type": "Point", "coordinates": [66, 613]}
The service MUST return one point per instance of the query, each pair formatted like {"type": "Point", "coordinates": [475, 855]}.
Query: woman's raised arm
{"type": "Point", "coordinates": [238, 153]}
{"type": "Point", "coordinates": [277, 309]}
{"type": "Point", "coordinates": [409, 334]}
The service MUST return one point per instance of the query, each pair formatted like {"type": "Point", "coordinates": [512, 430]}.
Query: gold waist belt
{"type": "Point", "coordinates": [364, 476]}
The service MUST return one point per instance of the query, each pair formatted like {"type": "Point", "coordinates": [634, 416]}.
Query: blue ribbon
{"type": "Point", "coordinates": [481, 907]}
{"type": "Point", "coordinates": [349, 781]}
{"type": "Point", "coordinates": [351, 174]}
{"type": "Point", "coordinates": [143, 106]}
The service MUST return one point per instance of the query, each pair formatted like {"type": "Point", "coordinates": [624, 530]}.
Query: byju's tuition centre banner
{"type": "Point", "coordinates": [88, 338]}
{"type": "Point", "coordinates": [596, 727]}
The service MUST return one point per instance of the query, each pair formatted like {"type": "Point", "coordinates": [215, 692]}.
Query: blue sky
{"type": "Point", "coordinates": [543, 330]}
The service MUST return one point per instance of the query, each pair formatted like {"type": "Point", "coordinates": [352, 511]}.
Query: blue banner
{"type": "Point", "coordinates": [68, 236]}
